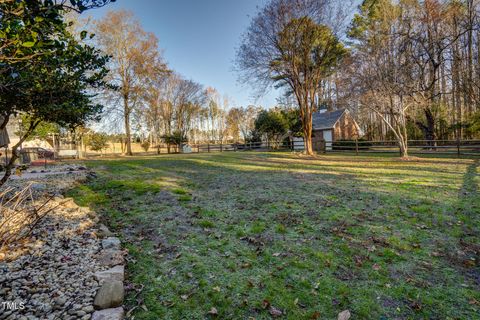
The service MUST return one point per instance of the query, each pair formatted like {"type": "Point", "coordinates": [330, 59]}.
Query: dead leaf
{"type": "Point", "coordinates": [265, 304]}
{"type": "Point", "coordinates": [275, 312]}
{"type": "Point", "coordinates": [276, 254]}
{"type": "Point", "coordinates": [315, 316]}
{"type": "Point", "coordinates": [213, 311]}
{"type": "Point", "coordinates": [376, 267]}
{"type": "Point", "coordinates": [184, 297]}
{"type": "Point", "coordinates": [358, 261]}
{"type": "Point", "coordinates": [217, 288]}
{"type": "Point", "coordinates": [415, 305]}
{"type": "Point", "coordinates": [344, 315]}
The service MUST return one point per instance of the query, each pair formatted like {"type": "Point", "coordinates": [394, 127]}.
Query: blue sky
{"type": "Point", "coordinates": [199, 39]}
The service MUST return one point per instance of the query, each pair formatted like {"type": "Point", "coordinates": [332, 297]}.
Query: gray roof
{"type": "Point", "coordinates": [326, 120]}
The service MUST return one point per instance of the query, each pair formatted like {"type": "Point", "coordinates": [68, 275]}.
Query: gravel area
{"type": "Point", "coordinates": [50, 275]}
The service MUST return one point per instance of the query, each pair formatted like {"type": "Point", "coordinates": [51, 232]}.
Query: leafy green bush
{"type": "Point", "coordinates": [145, 145]}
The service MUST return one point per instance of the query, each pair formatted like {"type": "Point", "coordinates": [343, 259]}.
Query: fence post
{"type": "Point", "coordinates": [458, 146]}
{"type": "Point", "coordinates": [356, 146]}
{"type": "Point", "coordinates": [221, 146]}
{"type": "Point", "coordinates": [208, 147]}
{"type": "Point", "coordinates": [235, 147]}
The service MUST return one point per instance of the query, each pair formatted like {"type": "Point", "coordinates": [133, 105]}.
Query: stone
{"type": "Point", "coordinates": [109, 314]}
{"type": "Point", "coordinates": [60, 301]}
{"type": "Point", "coordinates": [103, 231]}
{"type": "Point", "coordinates": [38, 186]}
{"type": "Point", "coordinates": [110, 258]}
{"type": "Point", "coordinates": [344, 315]}
{"type": "Point", "coordinates": [88, 309]}
{"type": "Point", "coordinates": [115, 273]}
{"type": "Point", "coordinates": [110, 295]}
{"type": "Point", "coordinates": [111, 243]}
{"type": "Point", "coordinates": [91, 176]}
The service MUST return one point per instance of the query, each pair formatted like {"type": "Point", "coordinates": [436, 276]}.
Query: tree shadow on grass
{"type": "Point", "coordinates": [470, 187]}
{"type": "Point", "coordinates": [464, 255]}
{"type": "Point", "coordinates": [320, 221]}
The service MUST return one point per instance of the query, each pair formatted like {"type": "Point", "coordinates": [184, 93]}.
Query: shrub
{"type": "Point", "coordinates": [97, 141]}
{"type": "Point", "coordinates": [145, 145]}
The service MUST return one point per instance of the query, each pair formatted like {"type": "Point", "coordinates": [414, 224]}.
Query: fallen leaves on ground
{"type": "Point", "coordinates": [275, 312]}
{"type": "Point", "coordinates": [213, 311]}
{"type": "Point", "coordinates": [344, 315]}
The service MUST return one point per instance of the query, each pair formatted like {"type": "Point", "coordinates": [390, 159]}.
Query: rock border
{"type": "Point", "coordinates": [108, 301]}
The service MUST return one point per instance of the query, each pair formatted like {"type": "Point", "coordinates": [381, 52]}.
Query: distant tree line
{"type": "Point", "coordinates": [407, 69]}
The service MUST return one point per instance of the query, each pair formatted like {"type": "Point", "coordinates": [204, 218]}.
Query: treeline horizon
{"type": "Point", "coordinates": [407, 70]}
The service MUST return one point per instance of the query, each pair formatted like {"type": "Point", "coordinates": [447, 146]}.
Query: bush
{"type": "Point", "coordinates": [145, 145]}
{"type": "Point", "coordinates": [177, 138]}
{"type": "Point", "coordinates": [97, 141]}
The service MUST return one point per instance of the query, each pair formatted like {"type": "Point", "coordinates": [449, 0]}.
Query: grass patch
{"type": "Point", "coordinates": [179, 191]}
{"type": "Point", "coordinates": [384, 238]}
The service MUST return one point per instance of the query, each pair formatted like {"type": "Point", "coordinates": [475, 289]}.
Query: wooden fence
{"type": "Point", "coordinates": [448, 147]}
{"type": "Point", "coordinates": [457, 147]}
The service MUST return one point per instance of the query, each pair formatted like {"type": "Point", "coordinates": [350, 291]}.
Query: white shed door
{"type": "Point", "coordinates": [328, 137]}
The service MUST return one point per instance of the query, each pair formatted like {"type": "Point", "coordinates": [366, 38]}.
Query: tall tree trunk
{"type": "Point", "coordinates": [403, 149]}
{"type": "Point", "coordinates": [127, 126]}
{"type": "Point", "coordinates": [307, 132]}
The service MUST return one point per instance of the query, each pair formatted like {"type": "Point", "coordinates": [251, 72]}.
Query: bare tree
{"type": "Point", "coordinates": [241, 121]}
{"type": "Point", "coordinates": [287, 44]}
{"type": "Point", "coordinates": [134, 53]}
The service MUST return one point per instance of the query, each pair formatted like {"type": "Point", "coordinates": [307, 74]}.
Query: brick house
{"type": "Point", "coordinates": [330, 126]}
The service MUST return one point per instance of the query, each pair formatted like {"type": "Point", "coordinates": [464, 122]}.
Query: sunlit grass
{"type": "Point", "coordinates": [239, 232]}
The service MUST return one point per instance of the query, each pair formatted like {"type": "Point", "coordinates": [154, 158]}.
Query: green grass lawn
{"type": "Point", "coordinates": [255, 234]}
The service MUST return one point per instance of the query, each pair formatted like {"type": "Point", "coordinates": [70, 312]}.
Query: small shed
{"type": "Point", "coordinates": [330, 126]}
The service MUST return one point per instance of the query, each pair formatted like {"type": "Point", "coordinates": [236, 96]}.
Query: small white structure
{"type": "Point", "coordinates": [298, 144]}
{"type": "Point", "coordinates": [67, 153]}
{"type": "Point", "coordinates": [186, 149]}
